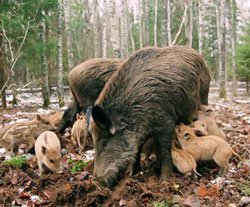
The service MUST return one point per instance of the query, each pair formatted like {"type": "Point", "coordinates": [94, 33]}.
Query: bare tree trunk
{"type": "Point", "coordinates": [104, 34]}
{"type": "Point", "coordinates": [164, 33]}
{"type": "Point", "coordinates": [155, 23]}
{"type": "Point", "coordinates": [222, 42]}
{"type": "Point", "coordinates": [130, 27]}
{"type": "Point", "coordinates": [95, 23]}
{"type": "Point", "coordinates": [50, 61]}
{"type": "Point", "coordinates": [169, 22]}
{"type": "Point", "coordinates": [186, 21]}
{"type": "Point", "coordinates": [68, 35]}
{"type": "Point", "coordinates": [200, 26]}
{"type": "Point", "coordinates": [59, 57]}
{"type": "Point", "coordinates": [145, 23]}
{"type": "Point", "coordinates": [114, 28]}
{"type": "Point", "coordinates": [2, 75]}
{"type": "Point", "coordinates": [247, 85]}
{"type": "Point", "coordinates": [95, 27]}
{"type": "Point", "coordinates": [140, 24]}
{"type": "Point", "coordinates": [124, 29]}
{"type": "Point", "coordinates": [234, 40]}
{"type": "Point", "coordinates": [191, 19]}
{"type": "Point", "coordinates": [45, 77]}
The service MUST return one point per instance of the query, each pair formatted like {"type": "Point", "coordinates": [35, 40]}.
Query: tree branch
{"type": "Point", "coordinates": [14, 58]}
{"type": "Point", "coordinates": [9, 44]}
{"type": "Point", "coordinates": [181, 25]}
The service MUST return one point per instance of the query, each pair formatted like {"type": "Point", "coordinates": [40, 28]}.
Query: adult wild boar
{"type": "Point", "coordinates": [86, 81]}
{"type": "Point", "coordinates": [151, 92]}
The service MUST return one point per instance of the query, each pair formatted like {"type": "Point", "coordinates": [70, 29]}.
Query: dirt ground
{"type": "Point", "coordinates": [23, 187]}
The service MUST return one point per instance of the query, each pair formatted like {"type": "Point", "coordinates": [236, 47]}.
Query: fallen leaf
{"type": "Point", "coordinates": [192, 201]}
{"type": "Point", "coordinates": [24, 195]}
{"type": "Point", "coordinates": [122, 202]}
{"type": "Point", "coordinates": [14, 179]}
{"type": "Point", "coordinates": [213, 191]}
{"type": "Point", "coordinates": [83, 175]}
{"type": "Point", "coordinates": [67, 187]}
{"type": "Point", "coordinates": [244, 201]}
{"type": "Point", "coordinates": [50, 194]}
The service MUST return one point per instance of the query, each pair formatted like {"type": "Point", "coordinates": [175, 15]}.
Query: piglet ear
{"type": "Point", "coordinates": [38, 117]}
{"type": "Point", "coordinates": [102, 120]}
{"type": "Point", "coordinates": [177, 130]}
{"type": "Point", "coordinates": [77, 116]}
{"type": "Point", "coordinates": [208, 111]}
{"type": "Point", "coordinates": [44, 150]}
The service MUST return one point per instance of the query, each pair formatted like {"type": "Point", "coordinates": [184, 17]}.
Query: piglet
{"type": "Point", "coordinates": [48, 152]}
{"type": "Point", "coordinates": [24, 133]}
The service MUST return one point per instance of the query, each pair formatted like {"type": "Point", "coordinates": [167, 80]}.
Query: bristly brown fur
{"type": "Point", "coordinates": [152, 91]}
{"type": "Point", "coordinates": [86, 81]}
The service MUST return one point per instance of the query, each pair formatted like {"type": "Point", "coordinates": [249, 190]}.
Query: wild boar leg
{"type": "Point", "coordinates": [86, 136]}
{"type": "Point", "coordinates": [14, 146]}
{"type": "Point", "coordinates": [164, 142]}
{"type": "Point", "coordinates": [31, 144]}
{"type": "Point", "coordinates": [136, 166]}
{"type": "Point", "coordinates": [69, 117]}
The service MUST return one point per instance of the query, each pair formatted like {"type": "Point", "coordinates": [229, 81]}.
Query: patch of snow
{"type": "Point", "coordinates": [20, 190]}
{"type": "Point", "coordinates": [21, 151]}
{"type": "Point", "coordinates": [2, 151]}
{"type": "Point", "coordinates": [233, 171]}
{"type": "Point", "coordinates": [43, 111]}
{"type": "Point", "coordinates": [7, 157]}
{"type": "Point", "coordinates": [64, 151]}
{"type": "Point", "coordinates": [35, 198]}
{"type": "Point", "coordinates": [64, 108]}
{"type": "Point", "coordinates": [247, 119]}
{"type": "Point", "coordinates": [227, 127]}
{"type": "Point", "coordinates": [242, 101]}
{"type": "Point", "coordinates": [219, 180]}
{"type": "Point", "coordinates": [22, 120]}
{"type": "Point", "coordinates": [29, 156]}
{"type": "Point", "coordinates": [244, 201]}
{"type": "Point", "coordinates": [72, 156]}
{"type": "Point", "coordinates": [89, 155]}
{"type": "Point", "coordinates": [12, 122]}
{"type": "Point", "coordinates": [8, 115]}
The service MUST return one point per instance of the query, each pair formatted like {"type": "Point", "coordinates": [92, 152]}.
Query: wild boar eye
{"type": "Point", "coordinates": [103, 143]}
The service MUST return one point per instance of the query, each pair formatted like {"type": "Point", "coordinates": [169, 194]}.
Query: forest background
{"type": "Point", "coordinates": [41, 41]}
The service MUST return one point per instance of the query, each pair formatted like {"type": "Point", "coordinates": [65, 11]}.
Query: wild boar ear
{"type": "Point", "coordinates": [102, 120]}
{"type": "Point", "coordinates": [177, 130]}
{"type": "Point", "coordinates": [44, 150]}
{"type": "Point", "coordinates": [88, 114]}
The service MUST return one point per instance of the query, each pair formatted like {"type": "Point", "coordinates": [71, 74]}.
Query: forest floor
{"type": "Point", "coordinates": [23, 187]}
